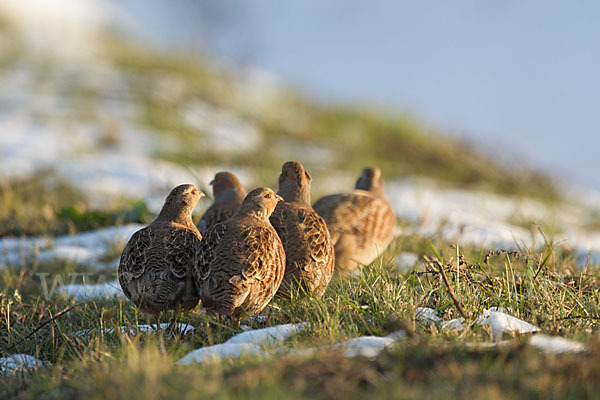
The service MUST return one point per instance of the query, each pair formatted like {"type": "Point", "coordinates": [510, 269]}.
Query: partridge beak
{"type": "Point", "coordinates": [201, 193]}
{"type": "Point", "coordinates": [279, 198]}
{"type": "Point", "coordinates": [212, 182]}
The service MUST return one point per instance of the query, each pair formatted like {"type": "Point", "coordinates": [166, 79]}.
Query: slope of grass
{"type": "Point", "coordinates": [354, 138]}
{"type": "Point", "coordinates": [542, 288]}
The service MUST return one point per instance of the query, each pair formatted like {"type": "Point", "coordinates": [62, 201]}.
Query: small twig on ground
{"type": "Point", "coordinates": [513, 253]}
{"type": "Point", "coordinates": [40, 326]}
{"type": "Point", "coordinates": [450, 290]}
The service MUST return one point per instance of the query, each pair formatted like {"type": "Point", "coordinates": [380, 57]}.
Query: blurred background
{"type": "Point", "coordinates": [516, 77]}
{"type": "Point", "coordinates": [114, 102]}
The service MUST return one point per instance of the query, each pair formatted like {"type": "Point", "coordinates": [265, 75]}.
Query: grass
{"type": "Point", "coordinates": [544, 288]}
{"type": "Point", "coordinates": [44, 204]}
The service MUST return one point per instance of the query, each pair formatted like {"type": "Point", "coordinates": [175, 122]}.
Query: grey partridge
{"type": "Point", "coordinates": [242, 260]}
{"type": "Point", "coordinates": [308, 248]}
{"type": "Point", "coordinates": [361, 223]}
{"type": "Point", "coordinates": [228, 194]}
{"type": "Point", "coordinates": [155, 269]}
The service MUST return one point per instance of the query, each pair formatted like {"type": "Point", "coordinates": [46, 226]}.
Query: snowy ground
{"type": "Point", "coordinates": [487, 219]}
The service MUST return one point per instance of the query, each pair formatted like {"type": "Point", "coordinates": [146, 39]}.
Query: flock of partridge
{"type": "Point", "coordinates": [247, 248]}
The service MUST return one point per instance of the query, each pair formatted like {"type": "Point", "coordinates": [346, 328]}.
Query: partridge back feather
{"type": "Point", "coordinates": [361, 224]}
{"type": "Point", "coordinates": [308, 247]}
{"type": "Point", "coordinates": [242, 262]}
{"type": "Point", "coordinates": [217, 212]}
{"type": "Point", "coordinates": [228, 194]}
{"type": "Point", "coordinates": [156, 264]}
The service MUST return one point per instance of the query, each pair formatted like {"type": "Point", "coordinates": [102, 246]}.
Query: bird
{"type": "Point", "coordinates": [228, 194]}
{"type": "Point", "coordinates": [242, 260]}
{"type": "Point", "coordinates": [155, 268]}
{"type": "Point", "coordinates": [361, 223]}
{"type": "Point", "coordinates": [308, 248]}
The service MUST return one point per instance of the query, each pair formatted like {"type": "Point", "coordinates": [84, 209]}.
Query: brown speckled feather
{"type": "Point", "coordinates": [229, 194]}
{"type": "Point", "coordinates": [156, 264]}
{"type": "Point", "coordinates": [310, 258]}
{"type": "Point", "coordinates": [309, 253]}
{"type": "Point", "coordinates": [242, 260]}
{"type": "Point", "coordinates": [217, 212]}
{"type": "Point", "coordinates": [361, 224]}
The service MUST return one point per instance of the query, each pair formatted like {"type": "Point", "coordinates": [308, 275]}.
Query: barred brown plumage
{"type": "Point", "coordinates": [228, 194]}
{"type": "Point", "coordinates": [361, 223]}
{"type": "Point", "coordinates": [308, 248]}
{"type": "Point", "coordinates": [242, 260]}
{"type": "Point", "coordinates": [155, 269]}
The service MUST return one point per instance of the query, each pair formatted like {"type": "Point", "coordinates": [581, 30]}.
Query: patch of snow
{"type": "Point", "coordinates": [84, 248]}
{"type": "Point", "coordinates": [366, 346]}
{"type": "Point", "coordinates": [555, 344]}
{"type": "Point", "coordinates": [220, 352]}
{"type": "Point", "coordinates": [270, 335]}
{"type": "Point", "coordinates": [427, 315]}
{"type": "Point", "coordinates": [500, 322]}
{"type": "Point", "coordinates": [77, 254]}
{"type": "Point", "coordinates": [246, 343]}
{"type": "Point", "coordinates": [544, 343]}
{"type": "Point", "coordinates": [220, 130]}
{"type": "Point", "coordinates": [82, 292]}
{"type": "Point", "coordinates": [473, 217]}
{"type": "Point", "coordinates": [16, 363]}
{"type": "Point", "coordinates": [485, 219]}
{"type": "Point", "coordinates": [401, 334]}
{"type": "Point", "coordinates": [455, 324]}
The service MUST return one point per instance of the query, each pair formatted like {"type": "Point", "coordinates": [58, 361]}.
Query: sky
{"type": "Point", "coordinates": [518, 77]}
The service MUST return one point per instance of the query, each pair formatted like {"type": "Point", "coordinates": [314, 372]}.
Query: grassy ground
{"type": "Point", "coordinates": [543, 288]}
{"type": "Point", "coordinates": [44, 204]}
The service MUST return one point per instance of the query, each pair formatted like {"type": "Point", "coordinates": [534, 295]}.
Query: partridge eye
{"type": "Point", "coordinates": [268, 196]}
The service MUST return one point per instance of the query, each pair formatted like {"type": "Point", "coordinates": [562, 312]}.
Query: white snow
{"type": "Point", "coordinates": [555, 344]}
{"type": "Point", "coordinates": [220, 130]}
{"type": "Point", "coordinates": [470, 217]}
{"type": "Point", "coordinates": [366, 346]}
{"type": "Point", "coordinates": [486, 219]}
{"type": "Point", "coordinates": [84, 292]}
{"type": "Point", "coordinates": [455, 324]}
{"type": "Point", "coordinates": [220, 352]}
{"type": "Point", "coordinates": [84, 248]}
{"type": "Point", "coordinates": [270, 335]}
{"type": "Point", "coordinates": [545, 343]}
{"type": "Point", "coordinates": [16, 363]}
{"type": "Point", "coordinates": [427, 315]}
{"type": "Point", "coordinates": [500, 322]}
{"type": "Point", "coordinates": [245, 343]}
